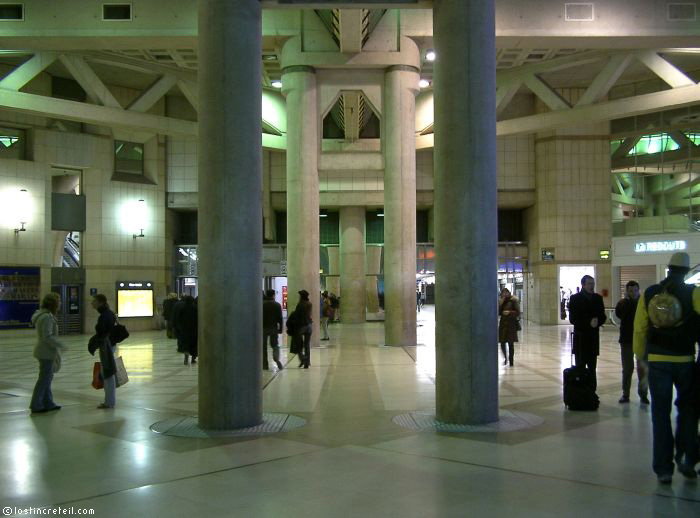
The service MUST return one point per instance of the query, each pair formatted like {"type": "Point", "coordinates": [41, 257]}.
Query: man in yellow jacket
{"type": "Point", "coordinates": [665, 330]}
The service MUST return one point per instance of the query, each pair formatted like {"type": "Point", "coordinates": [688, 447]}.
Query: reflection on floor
{"type": "Point", "coordinates": [349, 459]}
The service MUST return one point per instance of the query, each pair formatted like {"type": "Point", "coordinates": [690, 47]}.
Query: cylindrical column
{"type": "Point", "coordinates": [400, 88]}
{"type": "Point", "coordinates": [230, 223]}
{"type": "Point", "coordinates": [466, 233]}
{"type": "Point", "coordinates": [353, 281]}
{"type": "Point", "coordinates": [303, 143]}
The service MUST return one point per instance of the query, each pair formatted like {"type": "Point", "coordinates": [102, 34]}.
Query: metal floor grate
{"type": "Point", "coordinates": [189, 427]}
{"type": "Point", "coordinates": [509, 421]}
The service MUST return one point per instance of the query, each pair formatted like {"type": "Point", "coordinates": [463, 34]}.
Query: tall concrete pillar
{"type": "Point", "coordinates": [353, 280]}
{"type": "Point", "coordinates": [399, 138]}
{"type": "Point", "coordinates": [230, 186]}
{"type": "Point", "coordinates": [466, 231]}
{"type": "Point", "coordinates": [303, 146]}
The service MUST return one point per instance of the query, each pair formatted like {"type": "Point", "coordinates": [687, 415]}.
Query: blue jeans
{"type": "Point", "coordinates": [42, 399]}
{"type": "Point", "coordinates": [663, 376]}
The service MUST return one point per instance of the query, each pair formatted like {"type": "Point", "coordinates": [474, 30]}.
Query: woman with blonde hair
{"type": "Point", "coordinates": [48, 351]}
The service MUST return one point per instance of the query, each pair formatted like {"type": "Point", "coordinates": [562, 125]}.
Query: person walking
{"type": "Point", "coordinates": [587, 314]}
{"type": "Point", "coordinates": [272, 327]}
{"type": "Point", "coordinates": [509, 311]}
{"type": "Point", "coordinates": [325, 314]}
{"type": "Point", "coordinates": [665, 331]}
{"type": "Point", "coordinates": [48, 351]}
{"type": "Point", "coordinates": [186, 326]}
{"type": "Point", "coordinates": [303, 327]}
{"type": "Point", "coordinates": [625, 311]}
{"type": "Point", "coordinates": [101, 341]}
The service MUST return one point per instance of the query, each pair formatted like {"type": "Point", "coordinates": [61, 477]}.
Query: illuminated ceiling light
{"type": "Point", "coordinates": [270, 57]}
{"type": "Point", "coordinates": [424, 83]}
{"type": "Point", "coordinates": [276, 84]}
{"type": "Point", "coordinates": [430, 55]}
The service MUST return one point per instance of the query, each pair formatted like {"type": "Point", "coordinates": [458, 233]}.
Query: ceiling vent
{"type": "Point", "coordinates": [578, 12]}
{"type": "Point", "coordinates": [678, 12]}
{"type": "Point", "coordinates": [116, 12]}
{"type": "Point", "coordinates": [12, 12]}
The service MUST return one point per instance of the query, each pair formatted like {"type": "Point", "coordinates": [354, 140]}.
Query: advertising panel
{"type": "Point", "coordinates": [134, 299]}
{"type": "Point", "coordinates": [19, 296]}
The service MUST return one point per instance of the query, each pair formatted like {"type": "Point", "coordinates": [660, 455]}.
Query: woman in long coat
{"type": "Point", "coordinates": [509, 311]}
{"type": "Point", "coordinates": [186, 327]}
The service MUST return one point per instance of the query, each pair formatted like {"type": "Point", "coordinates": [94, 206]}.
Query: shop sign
{"type": "Point", "coordinates": [547, 254]}
{"type": "Point", "coordinates": [644, 247]}
{"type": "Point", "coordinates": [605, 254]}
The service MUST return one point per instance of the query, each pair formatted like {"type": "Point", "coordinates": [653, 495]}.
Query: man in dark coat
{"type": "Point", "coordinates": [587, 314]}
{"type": "Point", "coordinates": [186, 325]}
{"type": "Point", "coordinates": [625, 311]}
{"type": "Point", "coordinates": [272, 327]}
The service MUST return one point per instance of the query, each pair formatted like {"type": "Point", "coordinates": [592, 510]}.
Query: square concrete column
{"type": "Point", "coordinates": [466, 233]}
{"type": "Point", "coordinates": [230, 222]}
{"type": "Point", "coordinates": [353, 280]}
{"type": "Point", "coordinates": [399, 140]}
{"type": "Point", "coordinates": [303, 147]}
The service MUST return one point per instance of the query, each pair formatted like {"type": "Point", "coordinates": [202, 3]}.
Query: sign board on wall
{"type": "Point", "coordinates": [643, 247]}
{"type": "Point", "coordinates": [134, 299]}
{"type": "Point", "coordinates": [547, 254]}
{"type": "Point", "coordinates": [19, 296]}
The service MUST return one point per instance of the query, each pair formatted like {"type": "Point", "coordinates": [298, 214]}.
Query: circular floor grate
{"type": "Point", "coordinates": [509, 421]}
{"type": "Point", "coordinates": [189, 427]}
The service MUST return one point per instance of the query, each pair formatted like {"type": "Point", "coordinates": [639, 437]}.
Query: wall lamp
{"type": "Point", "coordinates": [22, 207]}
{"type": "Point", "coordinates": [140, 217]}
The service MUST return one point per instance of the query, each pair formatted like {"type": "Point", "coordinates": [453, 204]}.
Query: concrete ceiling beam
{"type": "Point", "coordinates": [505, 94]}
{"type": "Point", "coordinates": [350, 30]}
{"type": "Point", "coordinates": [28, 70]}
{"type": "Point", "coordinates": [545, 93]}
{"type": "Point", "coordinates": [95, 89]}
{"type": "Point", "coordinates": [191, 92]}
{"type": "Point", "coordinates": [153, 94]}
{"type": "Point", "coordinates": [627, 107]}
{"type": "Point", "coordinates": [665, 70]}
{"type": "Point", "coordinates": [605, 80]}
{"type": "Point", "coordinates": [92, 114]}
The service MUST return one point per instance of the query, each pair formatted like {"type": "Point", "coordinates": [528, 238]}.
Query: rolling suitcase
{"type": "Point", "coordinates": [579, 393]}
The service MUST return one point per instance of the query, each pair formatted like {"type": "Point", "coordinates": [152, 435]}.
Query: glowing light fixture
{"type": "Point", "coordinates": [276, 84]}
{"type": "Point", "coordinates": [140, 213]}
{"type": "Point", "coordinates": [424, 83]}
{"type": "Point", "coordinates": [430, 55]}
{"type": "Point", "coordinates": [22, 210]}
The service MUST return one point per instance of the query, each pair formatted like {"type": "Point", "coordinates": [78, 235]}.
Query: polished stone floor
{"type": "Point", "coordinates": [350, 459]}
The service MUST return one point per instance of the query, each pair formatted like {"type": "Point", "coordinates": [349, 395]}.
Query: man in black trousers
{"type": "Point", "coordinates": [587, 314]}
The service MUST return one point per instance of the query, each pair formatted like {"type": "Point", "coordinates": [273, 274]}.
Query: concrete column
{"type": "Point", "coordinates": [303, 147]}
{"type": "Point", "coordinates": [399, 138]}
{"type": "Point", "coordinates": [352, 265]}
{"type": "Point", "coordinates": [466, 231]}
{"type": "Point", "coordinates": [230, 187]}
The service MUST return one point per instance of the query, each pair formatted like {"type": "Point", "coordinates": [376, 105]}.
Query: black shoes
{"type": "Point", "coordinates": [279, 364]}
{"type": "Point", "coordinates": [46, 410]}
{"type": "Point", "coordinates": [624, 399]}
{"type": "Point", "coordinates": [644, 400]}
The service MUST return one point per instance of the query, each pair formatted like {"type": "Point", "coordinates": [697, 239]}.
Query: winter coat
{"type": "Point", "coordinates": [105, 323]}
{"type": "Point", "coordinates": [625, 311]}
{"type": "Point", "coordinates": [186, 327]}
{"type": "Point", "coordinates": [47, 346]}
{"type": "Point", "coordinates": [582, 309]}
{"type": "Point", "coordinates": [508, 325]}
{"type": "Point", "coordinates": [272, 316]}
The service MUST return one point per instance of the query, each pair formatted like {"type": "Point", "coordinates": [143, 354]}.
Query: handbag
{"type": "Point", "coordinates": [97, 382]}
{"type": "Point", "coordinates": [296, 344]}
{"type": "Point", "coordinates": [122, 376]}
{"type": "Point", "coordinates": [118, 333]}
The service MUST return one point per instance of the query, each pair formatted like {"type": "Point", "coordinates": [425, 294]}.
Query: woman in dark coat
{"type": "Point", "coordinates": [303, 327]}
{"type": "Point", "coordinates": [509, 311]}
{"type": "Point", "coordinates": [186, 327]}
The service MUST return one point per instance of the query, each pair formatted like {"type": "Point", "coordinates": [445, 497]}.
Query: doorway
{"type": "Point", "coordinates": [570, 284]}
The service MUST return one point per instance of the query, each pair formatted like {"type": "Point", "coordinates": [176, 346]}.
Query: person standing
{"type": "Point", "coordinates": [303, 327]}
{"type": "Point", "coordinates": [587, 314]}
{"type": "Point", "coordinates": [168, 306]}
{"type": "Point", "coordinates": [665, 330]}
{"type": "Point", "coordinates": [108, 366]}
{"type": "Point", "coordinates": [272, 327]}
{"type": "Point", "coordinates": [509, 311]}
{"type": "Point", "coordinates": [625, 311]}
{"type": "Point", "coordinates": [325, 314]}
{"type": "Point", "coordinates": [48, 351]}
{"type": "Point", "coordinates": [186, 328]}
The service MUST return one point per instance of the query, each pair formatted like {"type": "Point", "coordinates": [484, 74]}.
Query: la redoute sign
{"type": "Point", "coordinates": [646, 247]}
